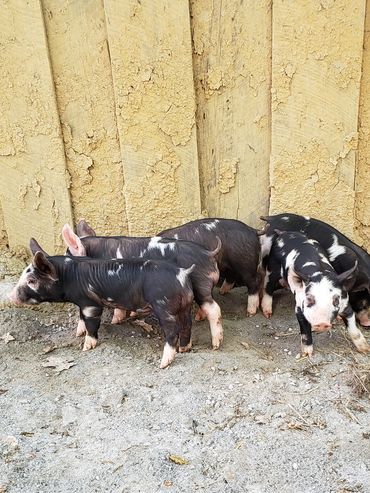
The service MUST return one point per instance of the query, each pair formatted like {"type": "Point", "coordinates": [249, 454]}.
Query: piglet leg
{"type": "Point", "coordinates": [91, 317]}
{"type": "Point", "coordinates": [118, 315]}
{"type": "Point", "coordinates": [306, 333]}
{"type": "Point", "coordinates": [354, 332]}
{"type": "Point", "coordinates": [213, 313]}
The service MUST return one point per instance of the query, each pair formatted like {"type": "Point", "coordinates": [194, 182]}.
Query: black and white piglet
{"type": "Point", "coordinates": [239, 257]}
{"type": "Point", "coordinates": [320, 293]}
{"type": "Point", "coordinates": [203, 277]}
{"type": "Point", "coordinates": [340, 250]}
{"type": "Point", "coordinates": [129, 284]}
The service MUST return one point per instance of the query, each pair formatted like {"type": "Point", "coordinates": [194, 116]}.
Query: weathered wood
{"type": "Point", "coordinates": [362, 185]}
{"type": "Point", "coordinates": [232, 72]}
{"type": "Point", "coordinates": [316, 67]}
{"type": "Point", "coordinates": [34, 182]}
{"type": "Point", "coordinates": [150, 47]}
{"type": "Point", "coordinates": [80, 61]}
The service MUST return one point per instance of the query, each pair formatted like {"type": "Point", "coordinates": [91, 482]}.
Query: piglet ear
{"type": "Point", "coordinates": [296, 281]}
{"type": "Point", "coordinates": [35, 247]}
{"type": "Point", "coordinates": [84, 229]}
{"type": "Point", "coordinates": [41, 263]}
{"type": "Point", "coordinates": [73, 242]}
{"type": "Point", "coordinates": [347, 279]}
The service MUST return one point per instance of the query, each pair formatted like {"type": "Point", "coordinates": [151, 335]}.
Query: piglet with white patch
{"type": "Point", "coordinates": [130, 284]}
{"type": "Point", "coordinates": [320, 293]}
{"type": "Point", "coordinates": [203, 277]}
{"type": "Point", "coordinates": [238, 259]}
{"type": "Point", "coordinates": [340, 250]}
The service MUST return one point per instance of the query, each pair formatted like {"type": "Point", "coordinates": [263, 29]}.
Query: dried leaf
{"type": "Point", "coordinates": [245, 345]}
{"type": "Point", "coordinates": [7, 337]}
{"type": "Point", "coordinates": [48, 349]}
{"type": "Point", "coordinates": [27, 433]}
{"type": "Point", "coordinates": [148, 328]}
{"type": "Point", "coordinates": [59, 364]}
{"type": "Point", "coordinates": [2, 391]}
{"type": "Point", "coordinates": [178, 460]}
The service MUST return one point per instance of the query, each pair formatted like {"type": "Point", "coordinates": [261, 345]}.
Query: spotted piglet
{"type": "Point", "coordinates": [182, 253]}
{"type": "Point", "coordinates": [239, 257]}
{"type": "Point", "coordinates": [130, 284]}
{"type": "Point", "coordinates": [320, 293]}
{"type": "Point", "coordinates": [340, 250]}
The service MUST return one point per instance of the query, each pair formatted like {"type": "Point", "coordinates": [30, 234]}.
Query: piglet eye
{"type": "Point", "coordinates": [336, 300]}
{"type": "Point", "coordinates": [310, 300]}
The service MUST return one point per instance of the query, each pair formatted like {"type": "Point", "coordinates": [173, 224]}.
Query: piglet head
{"type": "Point", "coordinates": [38, 282]}
{"type": "Point", "coordinates": [322, 296]}
{"type": "Point", "coordinates": [73, 242]}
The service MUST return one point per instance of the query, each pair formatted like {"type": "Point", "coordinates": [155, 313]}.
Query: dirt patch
{"type": "Point", "coordinates": [248, 418]}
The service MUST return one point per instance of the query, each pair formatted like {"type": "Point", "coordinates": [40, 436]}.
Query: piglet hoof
{"type": "Point", "coordinates": [81, 328]}
{"type": "Point", "coordinates": [253, 302]}
{"type": "Point", "coordinates": [364, 320]}
{"type": "Point", "coordinates": [363, 348]}
{"type": "Point", "coordinates": [200, 315]}
{"type": "Point", "coordinates": [185, 349]}
{"type": "Point", "coordinates": [168, 356]}
{"type": "Point", "coordinates": [118, 316]}
{"type": "Point", "coordinates": [226, 287]}
{"type": "Point", "coordinates": [217, 341]}
{"type": "Point", "coordinates": [90, 343]}
{"type": "Point", "coordinates": [267, 314]}
{"type": "Point", "coordinates": [306, 351]}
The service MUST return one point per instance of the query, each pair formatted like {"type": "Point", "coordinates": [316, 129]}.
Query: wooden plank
{"type": "Point", "coordinates": [150, 48]}
{"type": "Point", "coordinates": [80, 62]}
{"type": "Point", "coordinates": [316, 68]}
{"type": "Point", "coordinates": [3, 235]}
{"type": "Point", "coordinates": [34, 184]}
{"type": "Point", "coordinates": [232, 72]}
{"type": "Point", "coordinates": [362, 185]}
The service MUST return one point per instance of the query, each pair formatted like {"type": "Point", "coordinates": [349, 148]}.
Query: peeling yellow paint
{"type": "Point", "coordinates": [33, 186]}
{"type": "Point", "coordinates": [362, 184]}
{"type": "Point", "coordinates": [150, 48]}
{"type": "Point", "coordinates": [315, 91]}
{"type": "Point", "coordinates": [232, 73]}
{"type": "Point", "coordinates": [84, 88]}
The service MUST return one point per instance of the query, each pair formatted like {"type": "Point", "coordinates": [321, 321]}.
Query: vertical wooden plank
{"type": "Point", "coordinates": [34, 182]}
{"type": "Point", "coordinates": [3, 235]}
{"type": "Point", "coordinates": [80, 61]}
{"type": "Point", "coordinates": [363, 165]}
{"type": "Point", "coordinates": [316, 68]}
{"type": "Point", "coordinates": [232, 66]}
{"type": "Point", "coordinates": [150, 48]}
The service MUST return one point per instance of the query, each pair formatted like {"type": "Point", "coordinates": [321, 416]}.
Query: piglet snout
{"type": "Point", "coordinates": [321, 327]}
{"type": "Point", "coordinates": [12, 296]}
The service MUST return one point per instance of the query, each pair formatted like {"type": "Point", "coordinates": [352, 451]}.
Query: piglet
{"type": "Point", "coordinates": [130, 284]}
{"type": "Point", "coordinates": [238, 259]}
{"type": "Point", "coordinates": [320, 293]}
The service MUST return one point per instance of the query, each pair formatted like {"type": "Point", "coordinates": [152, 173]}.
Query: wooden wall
{"type": "Point", "coordinates": [139, 115]}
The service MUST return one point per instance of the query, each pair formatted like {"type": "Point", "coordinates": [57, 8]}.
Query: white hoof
{"type": "Point", "coordinates": [253, 302]}
{"type": "Point", "coordinates": [90, 343]}
{"type": "Point", "coordinates": [168, 356]}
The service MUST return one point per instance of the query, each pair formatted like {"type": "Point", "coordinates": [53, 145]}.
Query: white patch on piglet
{"type": "Point", "coordinates": [156, 242]}
{"type": "Point", "coordinates": [335, 250]}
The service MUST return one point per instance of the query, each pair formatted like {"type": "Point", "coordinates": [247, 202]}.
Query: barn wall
{"type": "Point", "coordinates": [232, 74]}
{"type": "Point", "coordinates": [316, 73]}
{"type": "Point", "coordinates": [34, 181]}
{"type": "Point", "coordinates": [362, 184]}
{"type": "Point", "coordinates": [140, 115]}
{"type": "Point", "coordinates": [79, 55]}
